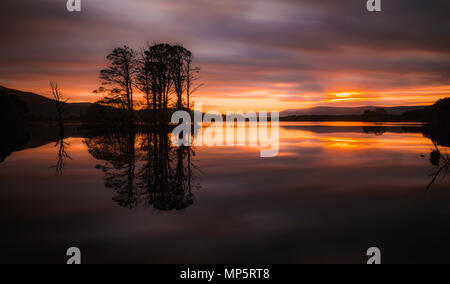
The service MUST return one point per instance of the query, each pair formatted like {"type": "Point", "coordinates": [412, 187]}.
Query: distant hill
{"type": "Point", "coordinates": [42, 108]}
{"type": "Point", "coordinates": [347, 110]}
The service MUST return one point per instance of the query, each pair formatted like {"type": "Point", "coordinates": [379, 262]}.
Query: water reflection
{"type": "Point", "coordinates": [332, 189]}
{"type": "Point", "coordinates": [440, 163]}
{"type": "Point", "coordinates": [377, 130]}
{"type": "Point", "coordinates": [63, 155]}
{"type": "Point", "coordinates": [439, 137]}
{"type": "Point", "coordinates": [166, 178]}
{"type": "Point", "coordinates": [144, 168]}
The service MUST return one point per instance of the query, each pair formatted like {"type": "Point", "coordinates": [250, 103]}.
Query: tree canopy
{"type": "Point", "coordinates": [162, 74]}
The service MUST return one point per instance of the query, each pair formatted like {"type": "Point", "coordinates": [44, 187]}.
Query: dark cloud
{"type": "Point", "coordinates": [316, 45]}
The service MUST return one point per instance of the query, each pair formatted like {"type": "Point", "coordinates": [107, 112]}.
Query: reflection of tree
{"type": "Point", "coordinates": [377, 130]}
{"type": "Point", "coordinates": [145, 168]}
{"type": "Point", "coordinates": [441, 164]}
{"type": "Point", "coordinates": [166, 177]}
{"type": "Point", "coordinates": [440, 136]}
{"type": "Point", "coordinates": [60, 113]}
{"type": "Point", "coordinates": [63, 155]}
{"type": "Point", "coordinates": [118, 150]}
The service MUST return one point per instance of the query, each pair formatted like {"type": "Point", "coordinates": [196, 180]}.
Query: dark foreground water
{"type": "Point", "coordinates": [334, 190]}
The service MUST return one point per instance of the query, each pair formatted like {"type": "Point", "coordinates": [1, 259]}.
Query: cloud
{"type": "Point", "coordinates": [290, 50]}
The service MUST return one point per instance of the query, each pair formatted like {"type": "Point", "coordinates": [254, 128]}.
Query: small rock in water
{"type": "Point", "coordinates": [435, 158]}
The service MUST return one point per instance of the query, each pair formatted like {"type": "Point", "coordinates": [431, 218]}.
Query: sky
{"type": "Point", "coordinates": [260, 55]}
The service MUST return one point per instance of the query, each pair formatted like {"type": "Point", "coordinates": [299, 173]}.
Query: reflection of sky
{"type": "Point", "coordinates": [254, 54]}
{"type": "Point", "coordinates": [316, 202]}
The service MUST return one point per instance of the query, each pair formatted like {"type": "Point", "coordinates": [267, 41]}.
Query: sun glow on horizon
{"type": "Point", "coordinates": [345, 96]}
{"type": "Point", "coordinates": [266, 99]}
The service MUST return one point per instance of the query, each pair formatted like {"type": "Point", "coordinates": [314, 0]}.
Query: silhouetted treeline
{"type": "Point", "coordinates": [436, 114]}
{"type": "Point", "coordinates": [112, 117]}
{"type": "Point", "coordinates": [155, 80]}
{"type": "Point", "coordinates": [379, 115]}
{"type": "Point", "coordinates": [439, 113]}
{"type": "Point", "coordinates": [321, 118]}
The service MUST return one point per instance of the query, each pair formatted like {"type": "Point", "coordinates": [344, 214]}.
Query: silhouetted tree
{"type": "Point", "coordinates": [144, 81]}
{"type": "Point", "coordinates": [59, 104]}
{"type": "Point", "coordinates": [439, 113]}
{"type": "Point", "coordinates": [163, 74]}
{"type": "Point", "coordinates": [158, 58]}
{"type": "Point", "coordinates": [120, 75]}
{"type": "Point", "coordinates": [61, 145]}
{"type": "Point", "coordinates": [180, 58]}
{"type": "Point", "coordinates": [112, 98]}
{"type": "Point", "coordinates": [169, 70]}
{"type": "Point", "coordinates": [191, 76]}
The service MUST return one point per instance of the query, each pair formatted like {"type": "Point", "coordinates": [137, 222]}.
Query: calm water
{"type": "Point", "coordinates": [334, 190]}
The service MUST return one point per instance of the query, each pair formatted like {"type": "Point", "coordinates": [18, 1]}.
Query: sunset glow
{"type": "Point", "coordinates": [344, 96]}
{"type": "Point", "coordinates": [248, 60]}
{"type": "Point", "coordinates": [218, 139]}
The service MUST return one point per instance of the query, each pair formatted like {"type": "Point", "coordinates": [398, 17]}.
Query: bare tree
{"type": "Point", "coordinates": [63, 155]}
{"type": "Point", "coordinates": [120, 73]}
{"type": "Point", "coordinates": [191, 77]}
{"type": "Point", "coordinates": [59, 104]}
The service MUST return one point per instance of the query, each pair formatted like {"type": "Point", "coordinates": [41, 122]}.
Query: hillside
{"type": "Point", "coordinates": [42, 108]}
{"type": "Point", "coordinates": [14, 110]}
